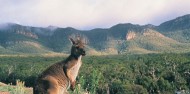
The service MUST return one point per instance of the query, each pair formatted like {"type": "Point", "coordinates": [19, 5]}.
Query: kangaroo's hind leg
{"type": "Point", "coordinates": [51, 85]}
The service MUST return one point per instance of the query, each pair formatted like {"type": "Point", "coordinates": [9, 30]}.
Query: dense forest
{"type": "Point", "coordinates": [114, 74]}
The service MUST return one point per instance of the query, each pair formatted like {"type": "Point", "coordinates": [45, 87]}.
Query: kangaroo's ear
{"type": "Point", "coordinates": [73, 42]}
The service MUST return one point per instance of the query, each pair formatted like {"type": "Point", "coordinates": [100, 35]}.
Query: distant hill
{"type": "Point", "coordinates": [180, 23]}
{"type": "Point", "coordinates": [169, 37]}
{"type": "Point", "coordinates": [151, 41]}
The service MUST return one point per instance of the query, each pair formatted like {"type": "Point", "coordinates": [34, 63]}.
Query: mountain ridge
{"type": "Point", "coordinates": [179, 23]}
{"type": "Point", "coordinates": [113, 40]}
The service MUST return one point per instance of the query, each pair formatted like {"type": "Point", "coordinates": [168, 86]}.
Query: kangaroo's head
{"type": "Point", "coordinates": [77, 48]}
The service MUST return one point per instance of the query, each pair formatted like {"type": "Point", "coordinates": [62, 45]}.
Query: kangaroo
{"type": "Point", "coordinates": [61, 76]}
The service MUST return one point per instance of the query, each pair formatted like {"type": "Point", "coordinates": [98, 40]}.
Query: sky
{"type": "Point", "coordinates": [89, 14]}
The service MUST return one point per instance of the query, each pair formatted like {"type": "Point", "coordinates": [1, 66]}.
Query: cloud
{"type": "Point", "coordinates": [88, 14]}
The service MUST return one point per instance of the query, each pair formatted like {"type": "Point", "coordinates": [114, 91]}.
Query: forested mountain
{"type": "Point", "coordinates": [170, 37]}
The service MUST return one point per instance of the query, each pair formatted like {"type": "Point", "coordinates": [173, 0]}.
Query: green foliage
{"type": "Point", "coordinates": [117, 74]}
{"type": "Point", "coordinates": [86, 85]}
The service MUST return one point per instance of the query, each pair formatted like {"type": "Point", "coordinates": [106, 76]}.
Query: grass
{"type": "Point", "coordinates": [19, 88]}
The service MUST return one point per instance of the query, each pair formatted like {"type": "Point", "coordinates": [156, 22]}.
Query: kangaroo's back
{"type": "Point", "coordinates": [52, 77]}
{"type": "Point", "coordinates": [57, 78]}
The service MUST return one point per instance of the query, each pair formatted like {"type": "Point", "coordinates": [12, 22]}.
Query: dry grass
{"type": "Point", "coordinates": [2, 84]}
{"type": "Point", "coordinates": [19, 88]}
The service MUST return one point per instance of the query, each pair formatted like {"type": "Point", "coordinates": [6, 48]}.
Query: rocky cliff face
{"type": "Point", "coordinates": [27, 34]}
{"type": "Point", "coordinates": [130, 35]}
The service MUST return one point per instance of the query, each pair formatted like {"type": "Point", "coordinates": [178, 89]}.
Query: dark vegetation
{"type": "Point", "coordinates": [120, 74]}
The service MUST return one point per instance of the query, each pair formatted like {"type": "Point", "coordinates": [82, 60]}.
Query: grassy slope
{"type": "Point", "coordinates": [153, 42]}
{"type": "Point", "coordinates": [179, 35]}
{"type": "Point", "coordinates": [6, 51]}
{"type": "Point", "coordinates": [28, 47]}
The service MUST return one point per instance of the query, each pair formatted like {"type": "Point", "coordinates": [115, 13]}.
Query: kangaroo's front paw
{"type": "Point", "coordinates": [73, 86]}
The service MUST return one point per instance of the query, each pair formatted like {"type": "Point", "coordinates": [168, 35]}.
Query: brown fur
{"type": "Point", "coordinates": [57, 78]}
